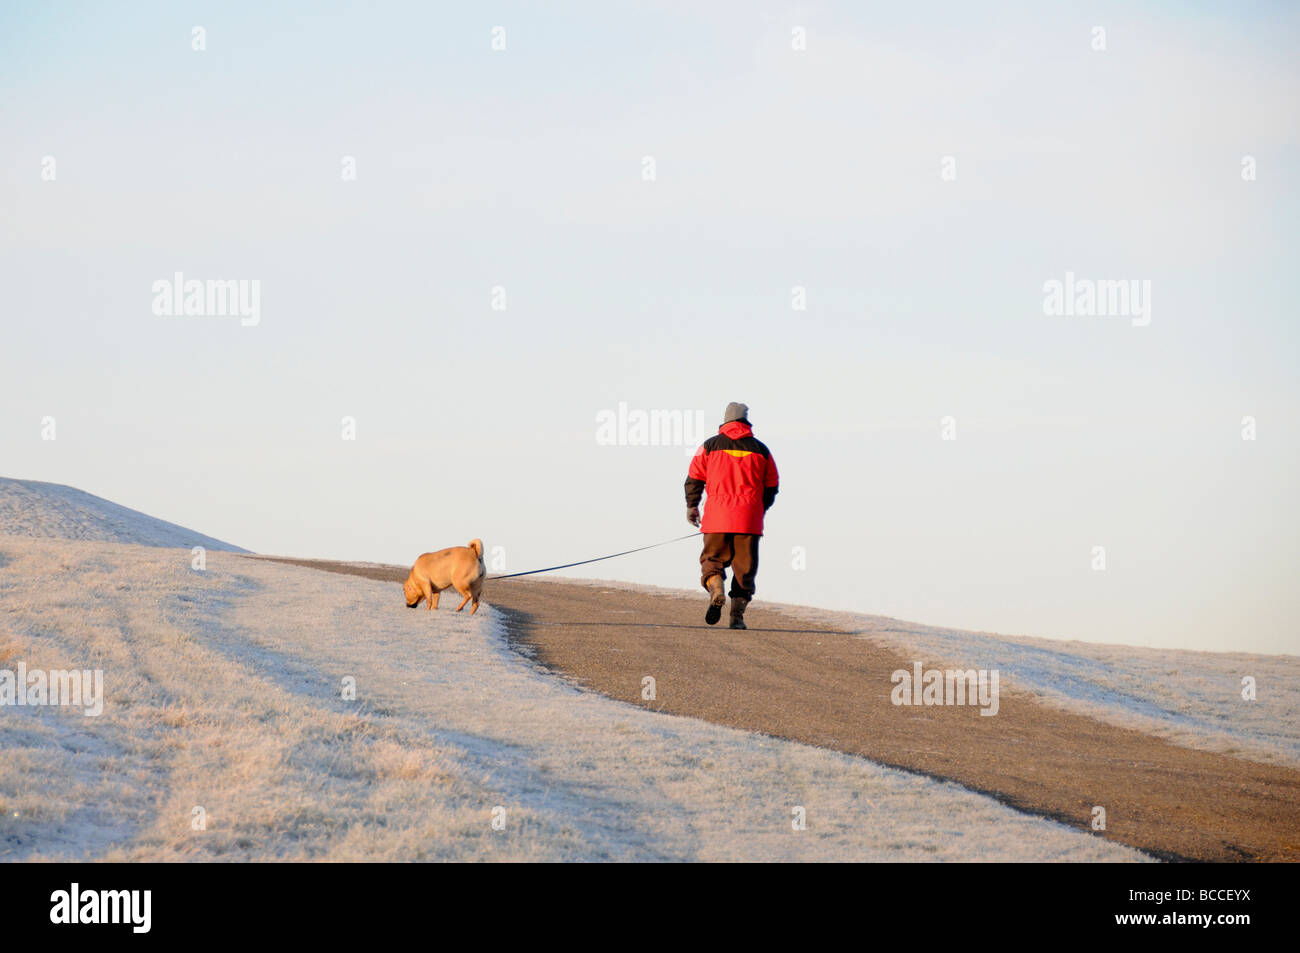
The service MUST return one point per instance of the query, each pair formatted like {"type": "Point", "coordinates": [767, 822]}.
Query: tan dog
{"type": "Point", "coordinates": [460, 567]}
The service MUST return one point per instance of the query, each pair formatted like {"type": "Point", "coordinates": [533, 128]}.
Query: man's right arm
{"type": "Point", "coordinates": [771, 483]}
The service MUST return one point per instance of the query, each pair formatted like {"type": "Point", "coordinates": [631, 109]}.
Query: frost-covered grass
{"type": "Point", "coordinates": [223, 691]}
{"type": "Point", "coordinates": [54, 511]}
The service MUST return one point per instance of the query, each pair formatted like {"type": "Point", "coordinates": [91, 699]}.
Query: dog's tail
{"type": "Point", "coordinates": [477, 546]}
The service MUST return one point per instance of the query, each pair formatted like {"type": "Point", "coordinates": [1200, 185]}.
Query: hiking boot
{"type": "Point", "coordinates": [738, 604]}
{"type": "Point", "coordinates": [717, 598]}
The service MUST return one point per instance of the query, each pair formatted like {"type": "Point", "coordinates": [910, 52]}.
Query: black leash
{"type": "Point", "coordinates": [583, 562]}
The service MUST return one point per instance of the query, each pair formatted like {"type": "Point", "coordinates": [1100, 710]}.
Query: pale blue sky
{"type": "Point", "coordinates": [775, 168]}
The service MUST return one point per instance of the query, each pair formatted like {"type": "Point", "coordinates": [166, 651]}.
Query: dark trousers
{"type": "Point", "coordinates": [737, 550]}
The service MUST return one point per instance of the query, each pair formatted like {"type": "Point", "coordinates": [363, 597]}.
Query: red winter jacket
{"type": "Point", "coordinates": [739, 474]}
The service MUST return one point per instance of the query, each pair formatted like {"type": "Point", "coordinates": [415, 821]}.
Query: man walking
{"type": "Point", "coordinates": [737, 472]}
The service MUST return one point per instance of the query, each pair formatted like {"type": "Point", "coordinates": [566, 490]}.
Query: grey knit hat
{"type": "Point", "coordinates": [736, 411]}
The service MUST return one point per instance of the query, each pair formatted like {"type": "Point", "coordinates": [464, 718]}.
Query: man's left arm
{"type": "Point", "coordinates": [696, 476]}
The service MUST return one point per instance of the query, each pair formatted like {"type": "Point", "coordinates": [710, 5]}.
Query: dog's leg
{"type": "Point", "coordinates": [430, 595]}
{"type": "Point", "coordinates": [465, 593]}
